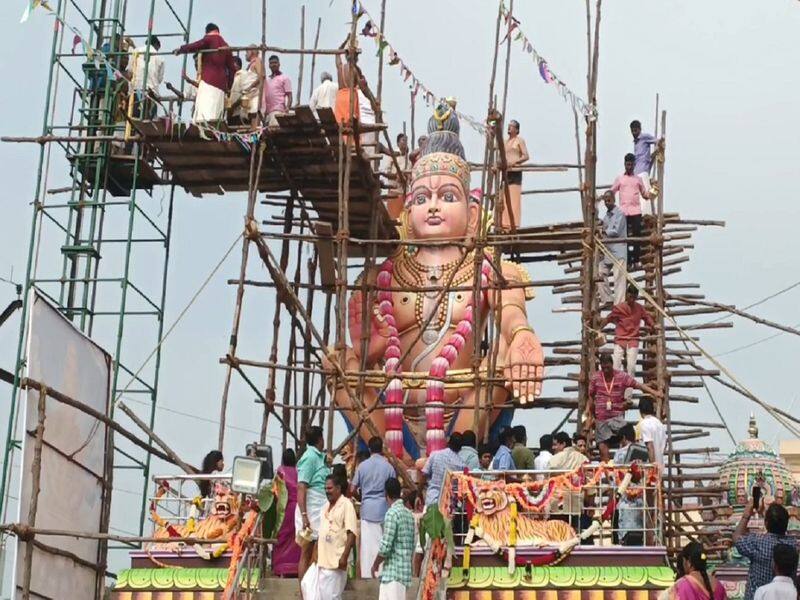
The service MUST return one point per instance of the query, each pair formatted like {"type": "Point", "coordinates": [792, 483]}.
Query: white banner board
{"type": "Point", "coordinates": [74, 454]}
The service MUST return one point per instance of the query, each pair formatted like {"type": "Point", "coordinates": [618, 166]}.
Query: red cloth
{"type": "Point", "coordinates": [602, 392]}
{"type": "Point", "coordinates": [628, 321]}
{"type": "Point", "coordinates": [217, 68]}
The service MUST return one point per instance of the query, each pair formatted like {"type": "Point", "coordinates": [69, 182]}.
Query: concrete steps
{"type": "Point", "coordinates": [357, 589]}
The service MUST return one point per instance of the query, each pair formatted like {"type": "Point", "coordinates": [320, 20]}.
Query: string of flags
{"type": "Point", "coordinates": [98, 57]}
{"type": "Point", "coordinates": [416, 86]}
{"type": "Point", "coordinates": [543, 67]}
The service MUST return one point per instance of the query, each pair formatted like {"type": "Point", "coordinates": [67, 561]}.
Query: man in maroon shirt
{"type": "Point", "coordinates": [628, 317]}
{"type": "Point", "coordinates": [607, 404]}
{"type": "Point", "coordinates": [216, 69]}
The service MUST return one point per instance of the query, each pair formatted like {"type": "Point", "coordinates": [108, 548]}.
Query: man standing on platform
{"type": "Point", "coordinates": [217, 70]}
{"type": "Point", "coordinates": [652, 432]}
{"type": "Point", "coordinates": [337, 536]}
{"type": "Point", "coordinates": [311, 474]}
{"type": "Point", "coordinates": [641, 150]}
{"type": "Point", "coordinates": [614, 226]}
{"type": "Point", "coordinates": [516, 155]}
{"type": "Point", "coordinates": [469, 452]}
{"type": "Point", "coordinates": [607, 404]}
{"type": "Point", "coordinates": [542, 461]}
{"type": "Point", "coordinates": [396, 548]}
{"type": "Point", "coordinates": [324, 95]}
{"type": "Point", "coordinates": [439, 462]}
{"type": "Point", "coordinates": [522, 455]}
{"type": "Point", "coordinates": [628, 317]}
{"type": "Point", "coordinates": [369, 483]}
{"type": "Point", "coordinates": [277, 92]}
{"type": "Point", "coordinates": [631, 190]}
{"type": "Point", "coordinates": [503, 461]}
{"type": "Point", "coordinates": [147, 92]}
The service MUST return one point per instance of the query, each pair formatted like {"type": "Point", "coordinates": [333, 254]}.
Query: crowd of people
{"type": "Point", "coordinates": [334, 515]}
{"type": "Point", "coordinates": [227, 88]}
{"type": "Point", "coordinates": [367, 525]}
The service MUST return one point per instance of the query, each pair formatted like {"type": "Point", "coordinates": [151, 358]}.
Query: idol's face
{"type": "Point", "coordinates": [438, 207]}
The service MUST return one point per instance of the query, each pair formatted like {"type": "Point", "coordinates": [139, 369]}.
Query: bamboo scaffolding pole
{"type": "Point", "coordinates": [314, 59]}
{"type": "Point", "coordinates": [26, 382]}
{"type": "Point", "coordinates": [588, 299]}
{"type": "Point", "coordinates": [24, 531]}
{"type": "Point", "coordinates": [188, 469]}
{"type": "Point", "coordinates": [380, 53]}
{"type": "Point", "coordinates": [269, 393]}
{"type": "Point", "coordinates": [237, 313]}
{"type": "Point", "coordinates": [302, 55]}
{"type": "Point", "coordinates": [36, 478]}
{"type": "Point", "coordinates": [293, 303]}
{"type": "Point", "coordinates": [717, 307]}
{"type": "Point", "coordinates": [47, 139]}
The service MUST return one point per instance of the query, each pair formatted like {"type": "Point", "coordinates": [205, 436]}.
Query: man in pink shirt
{"type": "Point", "coordinates": [605, 410]}
{"type": "Point", "coordinates": [631, 190]}
{"type": "Point", "coordinates": [277, 92]}
{"type": "Point", "coordinates": [628, 317]}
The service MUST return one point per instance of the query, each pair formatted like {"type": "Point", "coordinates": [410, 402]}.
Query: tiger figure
{"type": "Point", "coordinates": [492, 523]}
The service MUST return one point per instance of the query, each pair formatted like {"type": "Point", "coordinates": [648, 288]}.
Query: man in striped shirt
{"type": "Point", "coordinates": [607, 404]}
{"type": "Point", "coordinates": [397, 546]}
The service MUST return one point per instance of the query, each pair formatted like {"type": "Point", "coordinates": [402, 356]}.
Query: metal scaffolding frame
{"type": "Point", "coordinates": [105, 208]}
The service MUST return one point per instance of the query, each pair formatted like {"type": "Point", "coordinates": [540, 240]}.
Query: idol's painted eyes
{"type": "Point", "coordinates": [420, 199]}
{"type": "Point", "coordinates": [449, 197]}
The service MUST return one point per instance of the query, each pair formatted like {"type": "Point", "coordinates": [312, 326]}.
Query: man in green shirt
{"type": "Point", "coordinates": [397, 546]}
{"type": "Point", "coordinates": [311, 474]}
{"type": "Point", "coordinates": [522, 455]}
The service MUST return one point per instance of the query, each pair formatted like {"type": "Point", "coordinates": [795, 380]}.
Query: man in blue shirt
{"type": "Point", "coordinates": [369, 484]}
{"type": "Point", "coordinates": [439, 463]}
{"type": "Point", "coordinates": [642, 143]}
{"type": "Point", "coordinates": [469, 452]}
{"type": "Point", "coordinates": [758, 547]}
{"type": "Point", "coordinates": [614, 227]}
{"type": "Point", "coordinates": [503, 461]}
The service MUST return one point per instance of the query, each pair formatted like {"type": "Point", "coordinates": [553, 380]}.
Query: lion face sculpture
{"type": "Point", "coordinates": [491, 501]}
{"type": "Point", "coordinates": [216, 528]}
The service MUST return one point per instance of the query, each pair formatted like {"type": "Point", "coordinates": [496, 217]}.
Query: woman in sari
{"type": "Point", "coordinates": [286, 553]}
{"type": "Point", "coordinates": [696, 583]}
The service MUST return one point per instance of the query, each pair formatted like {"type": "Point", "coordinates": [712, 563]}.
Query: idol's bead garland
{"type": "Point", "coordinates": [434, 388]}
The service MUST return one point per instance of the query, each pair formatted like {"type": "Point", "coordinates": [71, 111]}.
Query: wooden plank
{"type": "Point", "coordinates": [325, 252]}
{"type": "Point", "coordinates": [327, 118]}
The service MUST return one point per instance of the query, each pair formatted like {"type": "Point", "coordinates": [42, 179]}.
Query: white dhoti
{"type": "Point", "coordinates": [314, 503]}
{"type": "Point", "coordinates": [330, 584]}
{"type": "Point", "coordinates": [394, 590]}
{"type": "Point", "coordinates": [250, 103]}
{"type": "Point", "coordinates": [323, 584]}
{"type": "Point", "coordinates": [210, 103]}
{"type": "Point", "coordinates": [371, 534]}
{"type": "Point", "coordinates": [631, 355]}
{"type": "Point", "coordinates": [648, 206]}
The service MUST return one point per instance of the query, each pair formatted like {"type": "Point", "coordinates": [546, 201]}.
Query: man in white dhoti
{"type": "Point", "coordinates": [217, 70]}
{"type": "Point", "coordinates": [369, 485]}
{"type": "Point", "coordinates": [396, 547]}
{"type": "Point", "coordinates": [311, 474]}
{"type": "Point", "coordinates": [245, 84]}
{"type": "Point", "coordinates": [337, 535]}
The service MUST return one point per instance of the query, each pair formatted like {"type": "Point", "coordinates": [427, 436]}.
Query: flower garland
{"type": "Point", "coordinates": [536, 496]}
{"type": "Point", "coordinates": [434, 387]}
